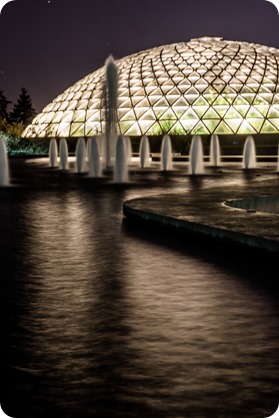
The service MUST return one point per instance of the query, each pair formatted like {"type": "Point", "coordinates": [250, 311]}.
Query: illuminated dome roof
{"type": "Point", "coordinates": [204, 86]}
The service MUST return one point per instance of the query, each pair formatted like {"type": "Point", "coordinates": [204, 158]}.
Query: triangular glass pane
{"type": "Point", "coordinates": [154, 129]}
{"type": "Point", "coordinates": [168, 115]}
{"type": "Point", "coordinates": [263, 109]}
{"type": "Point", "coordinates": [134, 130]}
{"type": "Point", "coordinates": [124, 126]}
{"type": "Point", "coordinates": [242, 109]}
{"type": "Point", "coordinates": [259, 100]}
{"type": "Point", "coordinates": [210, 91]}
{"type": "Point", "coordinates": [268, 128]}
{"type": "Point", "coordinates": [162, 102]}
{"type": "Point", "coordinates": [267, 97]}
{"type": "Point", "coordinates": [154, 99]}
{"type": "Point", "coordinates": [67, 117]}
{"type": "Point", "coordinates": [246, 89]}
{"type": "Point", "coordinates": [200, 102]}
{"type": "Point", "coordinates": [189, 114]}
{"type": "Point", "coordinates": [188, 125]}
{"type": "Point", "coordinates": [149, 115]}
{"type": "Point", "coordinates": [254, 114]}
{"type": "Point", "coordinates": [201, 87]}
{"type": "Point", "coordinates": [240, 101]}
{"type": "Point", "coordinates": [79, 116]}
{"type": "Point", "coordinates": [142, 103]}
{"type": "Point", "coordinates": [63, 129]}
{"type": "Point", "coordinates": [157, 92]}
{"type": "Point", "coordinates": [82, 104]}
{"type": "Point", "coordinates": [130, 115]}
{"type": "Point", "coordinates": [181, 102]}
{"type": "Point", "coordinates": [166, 88]}
{"type": "Point", "coordinates": [192, 92]}
{"type": "Point", "coordinates": [177, 129]}
{"type": "Point", "coordinates": [200, 110]}
{"type": "Point", "coordinates": [211, 124]}
{"type": "Point", "coordinates": [57, 117]}
{"type": "Point", "coordinates": [166, 125]}
{"type": "Point", "coordinates": [232, 114]}
{"type": "Point", "coordinates": [234, 124]}
{"type": "Point", "coordinates": [246, 128]}
{"type": "Point", "coordinates": [139, 111]}
{"type": "Point", "coordinates": [125, 104]}
{"type": "Point", "coordinates": [174, 92]}
{"type": "Point", "coordinates": [256, 123]}
{"type": "Point", "coordinates": [249, 97]}
{"type": "Point", "coordinates": [200, 129]}
{"type": "Point", "coordinates": [275, 122]}
{"type": "Point", "coordinates": [273, 112]}
{"type": "Point", "coordinates": [223, 128]}
{"type": "Point", "coordinates": [220, 101]}
{"type": "Point", "coordinates": [221, 110]}
{"type": "Point", "coordinates": [92, 128]}
{"type": "Point", "coordinates": [77, 129]}
{"type": "Point", "coordinates": [211, 114]}
{"type": "Point", "coordinates": [229, 90]}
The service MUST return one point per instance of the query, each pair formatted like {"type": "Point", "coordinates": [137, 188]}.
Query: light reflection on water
{"type": "Point", "coordinates": [106, 324]}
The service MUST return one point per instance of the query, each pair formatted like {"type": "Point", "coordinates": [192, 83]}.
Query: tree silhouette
{"type": "Point", "coordinates": [23, 111]}
{"type": "Point", "coordinates": [4, 103]}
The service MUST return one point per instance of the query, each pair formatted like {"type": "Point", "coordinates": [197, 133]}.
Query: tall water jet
{"type": "Point", "coordinates": [196, 156]}
{"type": "Point", "coordinates": [249, 153]}
{"type": "Point", "coordinates": [53, 153]}
{"type": "Point", "coordinates": [4, 167]}
{"type": "Point", "coordinates": [166, 153]}
{"type": "Point", "coordinates": [80, 164]}
{"type": "Point", "coordinates": [110, 110]}
{"type": "Point", "coordinates": [129, 153]}
{"type": "Point", "coordinates": [94, 159]}
{"type": "Point", "coordinates": [214, 159]}
{"type": "Point", "coordinates": [88, 149]}
{"type": "Point", "coordinates": [144, 152]}
{"type": "Point", "coordinates": [63, 153]}
{"type": "Point", "coordinates": [120, 167]}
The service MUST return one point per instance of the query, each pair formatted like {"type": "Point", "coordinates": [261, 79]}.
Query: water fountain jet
{"type": "Point", "coordinates": [110, 110]}
{"type": "Point", "coordinates": [129, 153]}
{"type": "Point", "coordinates": [63, 153]}
{"type": "Point", "coordinates": [214, 151]}
{"type": "Point", "coordinates": [53, 153]}
{"type": "Point", "coordinates": [4, 167]}
{"type": "Point", "coordinates": [196, 156]}
{"type": "Point", "coordinates": [80, 164]}
{"type": "Point", "coordinates": [249, 153]}
{"type": "Point", "coordinates": [166, 153]}
{"type": "Point", "coordinates": [95, 169]}
{"type": "Point", "coordinates": [144, 152]}
{"type": "Point", "coordinates": [120, 167]}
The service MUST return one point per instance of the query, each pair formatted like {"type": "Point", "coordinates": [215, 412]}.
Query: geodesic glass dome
{"type": "Point", "coordinates": [204, 86]}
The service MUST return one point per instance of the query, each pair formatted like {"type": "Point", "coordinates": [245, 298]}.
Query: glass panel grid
{"type": "Point", "coordinates": [206, 85]}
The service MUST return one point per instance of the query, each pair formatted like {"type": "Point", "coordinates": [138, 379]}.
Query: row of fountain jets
{"type": "Point", "coordinates": [93, 153]}
{"type": "Point", "coordinates": [91, 156]}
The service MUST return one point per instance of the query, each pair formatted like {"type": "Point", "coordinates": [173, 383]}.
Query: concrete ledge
{"type": "Point", "coordinates": [206, 214]}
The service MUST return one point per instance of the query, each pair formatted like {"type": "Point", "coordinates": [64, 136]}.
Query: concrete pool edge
{"type": "Point", "coordinates": [208, 217]}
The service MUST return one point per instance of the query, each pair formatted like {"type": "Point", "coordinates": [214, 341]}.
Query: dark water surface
{"type": "Point", "coordinates": [101, 320]}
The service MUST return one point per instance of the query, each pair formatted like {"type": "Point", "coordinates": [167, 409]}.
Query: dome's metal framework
{"type": "Point", "coordinates": [204, 86]}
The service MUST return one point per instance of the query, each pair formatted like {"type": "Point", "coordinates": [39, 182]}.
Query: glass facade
{"type": "Point", "coordinates": [204, 86]}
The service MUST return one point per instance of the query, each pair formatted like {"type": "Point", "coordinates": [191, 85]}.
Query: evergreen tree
{"type": "Point", "coordinates": [23, 111]}
{"type": "Point", "coordinates": [4, 102]}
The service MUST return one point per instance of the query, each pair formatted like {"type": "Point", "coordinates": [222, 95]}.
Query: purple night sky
{"type": "Point", "coordinates": [47, 45]}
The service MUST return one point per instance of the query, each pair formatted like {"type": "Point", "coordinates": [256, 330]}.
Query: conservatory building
{"type": "Point", "coordinates": [204, 86]}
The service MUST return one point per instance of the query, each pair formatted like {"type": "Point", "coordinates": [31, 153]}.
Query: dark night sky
{"type": "Point", "coordinates": [47, 45]}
